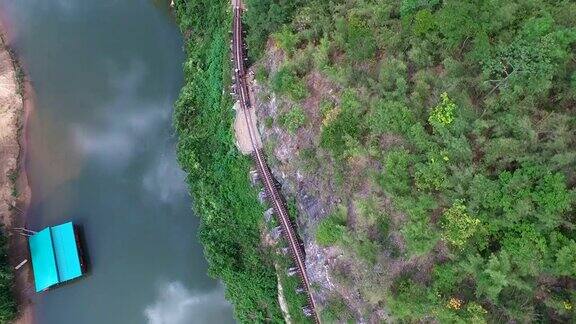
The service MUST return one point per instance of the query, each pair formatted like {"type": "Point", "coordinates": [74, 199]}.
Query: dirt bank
{"type": "Point", "coordinates": [16, 102]}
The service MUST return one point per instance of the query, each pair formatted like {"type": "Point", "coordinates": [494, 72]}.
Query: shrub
{"type": "Point", "coordinates": [7, 301]}
{"type": "Point", "coordinates": [432, 174]}
{"type": "Point", "coordinates": [261, 74]}
{"type": "Point", "coordinates": [331, 229]}
{"type": "Point", "coordinates": [458, 226]}
{"type": "Point", "coordinates": [566, 260]}
{"type": "Point", "coordinates": [335, 311]}
{"type": "Point", "coordinates": [390, 117]}
{"type": "Point", "coordinates": [286, 82]}
{"type": "Point", "coordinates": [268, 121]}
{"type": "Point", "coordinates": [396, 177]}
{"type": "Point", "coordinates": [423, 22]}
{"type": "Point", "coordinates": [359, 39]}
{"type": "Point", "coordinates": [420, 237]}
{"type": "Point", "coordinates": [443, 114]}
{"type": "Point", "coordinates": [264, 18]}
{"type": "Point", "coordinates": [346, 124]}
{"type": "Point", "coordinates": [293, 119]}
{"type": "Point", "coordinates": [286, 39]}
{"type": "Point", "coordinates": [409, 7]}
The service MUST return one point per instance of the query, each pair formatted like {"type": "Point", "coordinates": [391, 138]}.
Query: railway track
{"type": "Point", "coordinates": [272, 193]}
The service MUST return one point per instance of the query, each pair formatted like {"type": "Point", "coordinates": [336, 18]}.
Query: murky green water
{"type": "Point", "coordinates": [102, 153]}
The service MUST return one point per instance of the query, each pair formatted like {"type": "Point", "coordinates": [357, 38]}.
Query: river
{"type": "Point", "coordinates": [102, 153]}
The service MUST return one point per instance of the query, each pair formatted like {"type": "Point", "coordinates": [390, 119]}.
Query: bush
{"type": "Point", "coordinates": [286, 40]}
{"type": "Point", "coordinates": [390, 117]}
{"type": "Point", "coordinates": [7, 301]}
{"type": "Point", "coordinates": [345, 125]}
{"type": "Point", "coordinates": [431, 175]}
{"type": "Point", "coordinates": [566, 260]}
{"type": "Point", "coordinates": [264, 18]}
{"type": "Point", "coordinates": [331, 229]}
{"type": "Point", "coordinates": [293, 119]}
{"type": "Point", "coordinates": [420, 237]}
{"type": "Point", "coordinates": [423, 22]}
{"type": "Point", "coordinates": [443, 114]}
{"type": "Point", "coordinates": [396, 178]}
{"type": "Point", "coordinates": [359, 41]}
{"type": "Point", "coordinates": [286, 82]}
{"type": "Point", "coordinates": [458, 227]}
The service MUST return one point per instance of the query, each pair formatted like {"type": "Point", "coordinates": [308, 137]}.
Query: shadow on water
{"type": "Point", "coordinates": [83, 249]}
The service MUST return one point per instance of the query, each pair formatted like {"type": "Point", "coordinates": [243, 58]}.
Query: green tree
{"type": "Point", "coordinates": [458, 226]}
{"type": "Point", "coordinates": [359, 41]}
{"type": "Point", "coordinates": [286, 39]}
{"type": "Point", "coordinates": [443, 114]}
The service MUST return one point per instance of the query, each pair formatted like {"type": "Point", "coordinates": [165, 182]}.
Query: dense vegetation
{"type": "Point", "coordinates": [7, 301]}
{"type": "Point", "coordinates": [460, 118]}
{"type": "Point", "coordinates": [231, 217]}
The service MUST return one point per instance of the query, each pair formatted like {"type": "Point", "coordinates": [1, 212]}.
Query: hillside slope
{"type": "Point", "coordinates": [231, 217]}
{"type": "Point", "coordinates": [431, 149]}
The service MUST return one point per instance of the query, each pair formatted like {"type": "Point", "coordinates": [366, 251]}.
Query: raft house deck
{"type": "Point", "coordinates": [56, 256]}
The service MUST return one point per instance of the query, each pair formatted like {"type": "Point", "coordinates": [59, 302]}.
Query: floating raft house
{"type": "Point", "coordinates": [56, 256]}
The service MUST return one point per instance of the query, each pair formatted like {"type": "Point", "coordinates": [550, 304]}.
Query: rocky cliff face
{"type": "Point", "coordinates": [307, 176]}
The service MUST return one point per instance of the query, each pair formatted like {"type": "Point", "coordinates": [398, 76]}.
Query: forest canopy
{"type": "Point", "coordinates": [463, 114]}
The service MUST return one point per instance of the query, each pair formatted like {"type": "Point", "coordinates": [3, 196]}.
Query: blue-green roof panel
{"type": "Point", "coordinates": [43, 260]}
{"type": "Point", "coordinates": [66, 251]}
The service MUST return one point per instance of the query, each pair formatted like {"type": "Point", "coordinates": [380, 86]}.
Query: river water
{"type": "Point", "coordinates": [102, 153]}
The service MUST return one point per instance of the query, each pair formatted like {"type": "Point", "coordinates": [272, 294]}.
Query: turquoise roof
{"type": "Point", "coordinates": [66, 252]}
{"type": "Point", "coordinates": [55, 256]}
{"type": "Point", "coordinates": [43, 260]}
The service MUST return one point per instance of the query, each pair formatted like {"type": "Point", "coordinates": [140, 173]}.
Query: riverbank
{"type": "Point", "coordinates": [16, 102]}
{"type": "Point", "coordinates": [231, 217]}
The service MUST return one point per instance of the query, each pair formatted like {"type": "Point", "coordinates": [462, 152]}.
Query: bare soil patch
{"type": "Point", "coordinates": [16, 101]}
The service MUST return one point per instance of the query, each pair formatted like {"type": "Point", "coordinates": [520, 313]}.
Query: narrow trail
{"type": "Point", "coordinates": [272, 193]}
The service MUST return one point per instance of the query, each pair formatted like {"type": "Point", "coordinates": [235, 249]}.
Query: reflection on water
{"type": "Point", "coordinates": [102, 153]}
{"type": "Point", "coordinates": [58, 167]}
{"type": "Point", "coordinates": [176, 305]}
{"type": "Point", "coordinates": [121, 133]}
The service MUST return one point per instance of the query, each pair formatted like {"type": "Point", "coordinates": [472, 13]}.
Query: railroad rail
{"type": "Point", "coordinates": [272, 193]}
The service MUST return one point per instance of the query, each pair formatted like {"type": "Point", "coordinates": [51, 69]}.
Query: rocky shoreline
{"type": "Point", "coordinates": [16, 102]}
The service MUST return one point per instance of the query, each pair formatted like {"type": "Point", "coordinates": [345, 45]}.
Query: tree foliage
{"type": "Point", "coordinates": [331, 229]}
{"type": "Point", "coordinates": [217, 174]}
{"type": "Point", "coordinates": [287, 82]}
{"type": "Point", "coordinates": [443, 113]}
{"type": "Point", "coordinates": [458, 225]}
{"type": "Point", "coordinates": [293, 119]}
{"type": "Point", "coordinates": [460, 116]}
{"type": "Point", "coordinates": [7, 301]}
